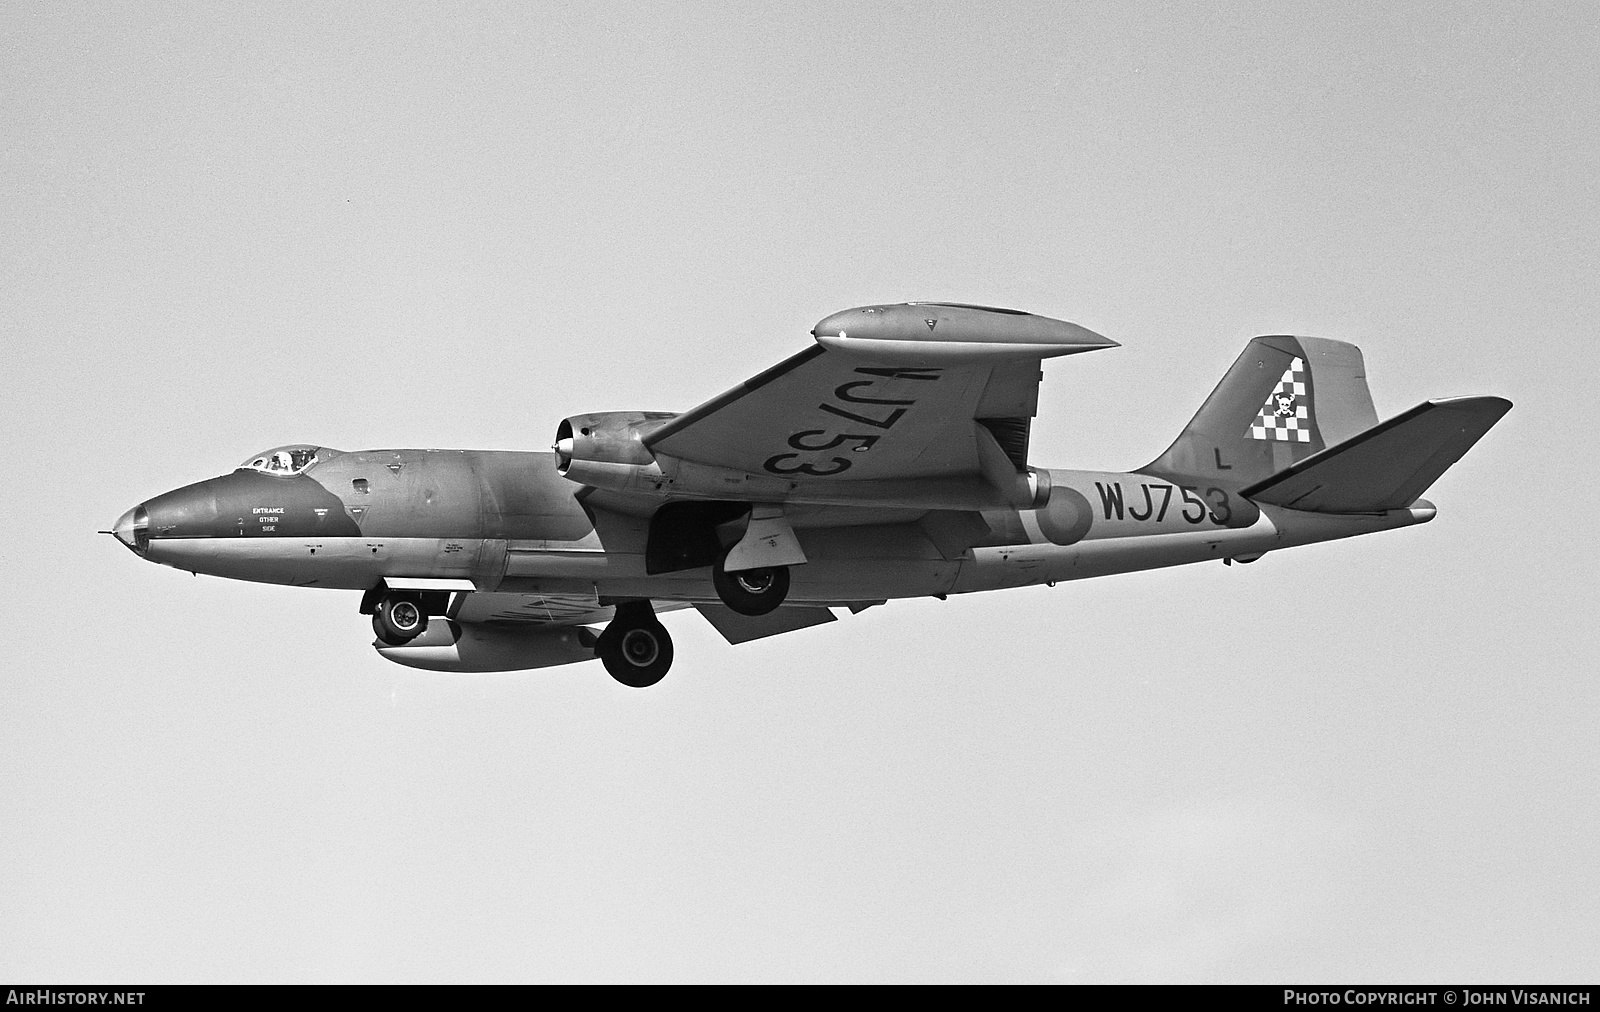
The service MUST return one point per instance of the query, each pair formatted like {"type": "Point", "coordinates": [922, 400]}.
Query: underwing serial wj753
{"type": "Point", "coordinates": [889, 459]}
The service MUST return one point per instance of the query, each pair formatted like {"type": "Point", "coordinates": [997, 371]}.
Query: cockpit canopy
{"type": "Point", "coordinates": [285, 461]}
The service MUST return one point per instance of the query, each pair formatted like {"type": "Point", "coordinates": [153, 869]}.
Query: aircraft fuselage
{"type": "Point", "coordinates": [508, 521]}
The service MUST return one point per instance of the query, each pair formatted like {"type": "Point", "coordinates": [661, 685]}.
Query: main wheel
{"type": "Point", "coordinates": [635, 648]}
{"type": "Point", "coordinates": [399, 619]}
{"type": "Point", "coordinates": [751, 591]}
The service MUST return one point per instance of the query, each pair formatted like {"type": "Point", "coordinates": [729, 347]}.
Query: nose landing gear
{"type": "Point", "coordinates": [399, 618]}
{"type": "Point", "coordinates": [635, 647]}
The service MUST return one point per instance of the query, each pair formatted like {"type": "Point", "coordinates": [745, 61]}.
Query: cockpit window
{"type": "Point", "coordinates": [285, 460]}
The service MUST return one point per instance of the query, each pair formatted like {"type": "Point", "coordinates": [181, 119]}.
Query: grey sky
{"type": "Point", "coordinates": [223, 230]}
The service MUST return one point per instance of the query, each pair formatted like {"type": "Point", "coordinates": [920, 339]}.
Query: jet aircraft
{"type": "Point", "coordinates": [888, 459]}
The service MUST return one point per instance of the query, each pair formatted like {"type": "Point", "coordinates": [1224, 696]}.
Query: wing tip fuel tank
{"type": "Point", "coordinates": [949, 332]}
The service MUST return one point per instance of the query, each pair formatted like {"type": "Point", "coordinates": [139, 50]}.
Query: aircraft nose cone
{"type": "Point", "coordinates": [133, 529]}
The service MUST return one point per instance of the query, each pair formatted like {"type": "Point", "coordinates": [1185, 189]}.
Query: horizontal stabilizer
{"type": "Point", "coordinates": [1389, 465]}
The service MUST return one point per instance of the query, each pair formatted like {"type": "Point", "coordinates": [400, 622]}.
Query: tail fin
{"type": "Point", "coordinates": [1389, 465]}
{"type": "Point", "coordinates": [1284, 399]}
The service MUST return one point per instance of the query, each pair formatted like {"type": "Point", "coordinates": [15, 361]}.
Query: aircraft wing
{"type": "Point", "coordinates": [737, 628]}
{"type": "Point", "coordinates": [887, 394]}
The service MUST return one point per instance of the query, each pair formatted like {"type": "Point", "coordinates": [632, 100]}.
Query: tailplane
{"type": "Point", "coordinates": [1388, 466]}
{"type": "Point", "coordinates": [1283, 400]}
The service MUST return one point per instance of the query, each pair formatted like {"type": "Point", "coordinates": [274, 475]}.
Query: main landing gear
{"type": "Point", "coordinates": [635, 647]}
{"type": "Point", "coordinates": [751, 591]}
{"type": "Point", "coordinates": [398, 617]}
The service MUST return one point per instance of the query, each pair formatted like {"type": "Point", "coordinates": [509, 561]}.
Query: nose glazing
{"type": "Point", "coordinates": [133, 529]}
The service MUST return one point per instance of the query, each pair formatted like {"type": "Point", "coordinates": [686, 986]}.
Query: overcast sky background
{"type": "Point", "coordinates": [385, 225]}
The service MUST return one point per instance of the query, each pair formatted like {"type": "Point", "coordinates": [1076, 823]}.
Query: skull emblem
{"type": "Point", "coordinates": [1285, 404]}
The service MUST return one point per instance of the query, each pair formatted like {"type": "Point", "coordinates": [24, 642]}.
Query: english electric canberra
{"type": "Point", "coordinates": [889, 459]}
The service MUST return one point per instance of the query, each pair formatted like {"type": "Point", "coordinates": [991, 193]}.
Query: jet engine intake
{"type": "Point", "coordinates": [605, 449]}
{"type": "Point", "coordinates": [611, 437]}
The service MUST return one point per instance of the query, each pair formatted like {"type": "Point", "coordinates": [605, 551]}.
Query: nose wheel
{"type": "Point", "coordinates": [751, 591]}
{"type": "Point", "coordinates": [635, 647]}
{"type": "Point", "coordinates": [399, 618]}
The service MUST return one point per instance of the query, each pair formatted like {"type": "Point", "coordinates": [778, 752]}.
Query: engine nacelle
{"type": "Point", "coordinates": [452, 646]}
{"type": "Point", "coordinates": [606, 450]}
{"type": "Point", "coordinates": [608, 437]}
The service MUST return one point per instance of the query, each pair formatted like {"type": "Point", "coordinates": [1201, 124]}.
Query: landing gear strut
{"type": "Point", "coordinates": [751, 591]}
{"type": "Point", "coordinates": [635, 647]}
{"type": "Point", "coordinates": [399, 618]}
